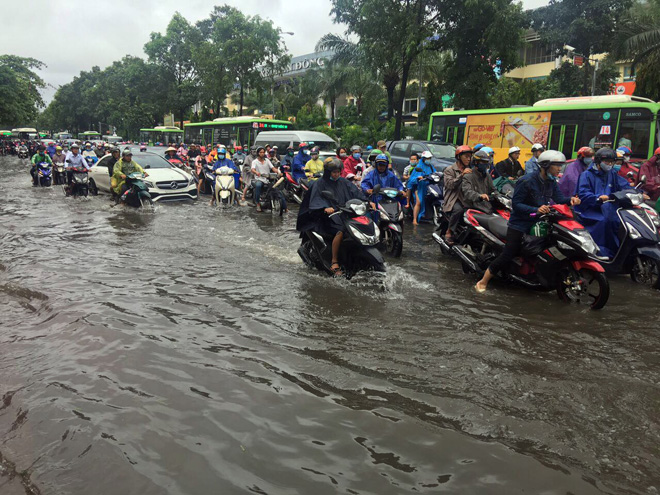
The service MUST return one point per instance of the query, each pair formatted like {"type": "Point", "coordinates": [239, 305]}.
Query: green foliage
{"type": "Point", "coordinates": [352, 134]}
{"type": "Point", "coordinates": [310, 116]}
{"type": "Point", "coordinates": [482, 32]}
{"type": "Point", "coordinates": [20, 99]}
{"type": "Point", "coordinates": [648, 77]}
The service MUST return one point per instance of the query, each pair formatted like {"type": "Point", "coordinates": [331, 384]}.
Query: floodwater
{"type": "Point", "coordinates": [189, 351]}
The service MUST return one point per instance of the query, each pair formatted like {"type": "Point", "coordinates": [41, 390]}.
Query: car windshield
{"type": "Point", "coordinates": [323, 145]}
{"type": "Point", "coordinates": [151, 161]}
{"type": "Point", "coordinates": [445, 151]}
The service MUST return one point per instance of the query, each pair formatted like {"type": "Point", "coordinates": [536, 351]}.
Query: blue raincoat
{"type": "Point", "coordinates": [415, 184]}
{"type": "Point", "coordinates": [298, 167]}
{"type": "Point", "coordinates": [226, 162]}
{"type": "Point", "coordinates": [600, 219]}
{"type": "Point", "coordinates": [388, 179]}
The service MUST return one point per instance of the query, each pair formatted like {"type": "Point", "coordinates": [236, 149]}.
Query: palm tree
{"type": "Point", "coordinates": [332, 79]}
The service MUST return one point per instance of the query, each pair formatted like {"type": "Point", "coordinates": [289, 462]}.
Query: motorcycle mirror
{"type": "Point", "coordinates": [376, 189]}
{"type": "Point", "coordinates": [630, 175]}
{"type": "Point", "coordinates": [643, 179]}
{"type": "Point", "coordinates": [328, 195]}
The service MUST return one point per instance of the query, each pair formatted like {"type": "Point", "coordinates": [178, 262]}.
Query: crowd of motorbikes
{"type": "Point", "coordinates": [564, 258]}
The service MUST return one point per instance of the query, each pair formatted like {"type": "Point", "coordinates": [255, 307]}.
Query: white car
{"type": "Point", "coordinates": [165, 181]}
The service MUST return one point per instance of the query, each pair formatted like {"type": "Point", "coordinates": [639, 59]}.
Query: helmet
{"type": "Point", "coordinates": [222, 151]}
{"type": "Point", "coordinates": [332, 164]}
{"type": "Point", "coordinates": [620, 156]}
{"type": "Point", "coordinates": [126, 152]}
{"type": "Point", "coordinates": [289, 148]}
{"type": "Point", "coordinates": [382, 159]}
{"type": "Point", "coordinates": [369, 148]}
{"type": "Point", "coordinates": [253, 148]}
{"type": "Point", "coordinates": [316, 150]}
{"type": "Point", "coordinates": [459, 151]}
{"type": "Point", "coordinates": [302, 145]}
{"type": "Point", "coordinates": [350, 176]}
{"type": "Point", "coordinates": [585, 151]}
{"type": "Point", "coordinates": [481, 156]}
{"type": "Point", "coordinates": [657, 151]}
{"type": "Point", "coordinates": [489, 150]}
{"type": "Point", "coordinates": [356, 148]}
{"type": "Point", "coordinates": [239, 148]}
{"type": "Point", "coordinates": [477, 147]}
{"type": "Point", "coordinates": [171, 148]}
{"type": "Point", "coordinates": [58, 148]}
{"type": "Point", "coordinates": [427, 154]}
{"type": "Point", "coordinates": [42, 148]}
{"type": "Point", "coordinates": [514, 149]}
{"type": "Point", "coordinates": [624, 150]}
{"type": "Point", "coordinates": [604, 154]}
{"type": "Point", "coordinates": [114, 148]}
{"type": "Point", "coordinates": [536, 146]}
{"type": "Point", "coordinates": [75, 145]}
{"type": "Point", "coordinates": [551, 157]}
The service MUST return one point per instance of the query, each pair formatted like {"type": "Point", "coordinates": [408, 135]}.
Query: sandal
{"type": "Point", "coordinates": [336, 270]}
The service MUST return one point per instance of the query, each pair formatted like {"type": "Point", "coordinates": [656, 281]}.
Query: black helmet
{"type": "Point", "coordinates": [332, 164]}
{"type": "Point", "coordinates": [481, 156]}
{"type": "Point", "coordinates": [259, 148]}
{"type": "Point", "coordinates": [604, 154]}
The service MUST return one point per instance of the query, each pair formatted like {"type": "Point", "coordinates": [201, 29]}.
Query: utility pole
{"type": "Point", "coordinates": [593, 83]}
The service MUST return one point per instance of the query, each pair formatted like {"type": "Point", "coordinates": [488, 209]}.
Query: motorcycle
{"type": "Point", "coordinates": [44, 174]}
{"type": "Point", "coordinates": [389, 218]}
{"type": "Point", "coordinates": [563, 260]}
{"type": "Point", "coordinates": [80, 183]}
{"type": "Point", "coordinates": [22, 153]}
{"type": "Point", "coordinates": [639, 251]}
{"type": "Point", "coordinates": [295, 190]}
{"type": "Point", "coordinates": [358, 250]}
{"type": "Point", "coordinates": [271, 196]}
{"type": "Point", "coordinates": [59, 174]}
{"type": "Point", "coordinates": [434, 200]}
{"type": "Point", "coordinates": [225, 192]}
{"type": "Point", "coordinates": [208, 176]}
{"type": "Point", "coordinates": [137, 195]}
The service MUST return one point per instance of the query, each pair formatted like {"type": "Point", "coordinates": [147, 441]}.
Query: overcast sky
{"type": "Point", "coordinates": [74, 35]}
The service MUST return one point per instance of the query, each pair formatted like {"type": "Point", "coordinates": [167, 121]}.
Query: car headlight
{"type": "Point", "coordinates": [149, 184]}
{"type": "Point", "coordinates": [359, 209]}
{"type": "Point", "coordinates": [635, 198]}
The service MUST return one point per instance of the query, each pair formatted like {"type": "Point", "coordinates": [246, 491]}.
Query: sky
{"type": "Point", "coordinates": [93, 33]}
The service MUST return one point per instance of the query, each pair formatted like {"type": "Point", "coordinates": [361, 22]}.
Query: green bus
{"type": "Point", "coordinates": [161, 135]}
{"type": "Point", "coordinates": [90, 136]}
{"type": "Point", "coordinates": [563, 124]}
{"type": "Point", "coordinates": [232, 131]}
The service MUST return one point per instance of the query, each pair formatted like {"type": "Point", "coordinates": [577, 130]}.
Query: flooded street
{"type": "Point", "coordinates": [190, 351]}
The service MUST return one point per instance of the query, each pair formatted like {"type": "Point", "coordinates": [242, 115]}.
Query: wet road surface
{"type": "Point", "coordinates": [189, 351]}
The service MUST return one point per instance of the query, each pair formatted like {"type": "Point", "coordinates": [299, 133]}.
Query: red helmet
{"type": "Point", "coordinates": [239, 148]}
{"type": "Point", "coordinates": [462, 149]}
{"type": "Point", "coordinates": [657, 151]}
{"type": "Point", "coordinates": [585, 151]}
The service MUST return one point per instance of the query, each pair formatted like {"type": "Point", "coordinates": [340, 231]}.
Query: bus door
{"type": "Point", "coordinates": [207, 138]}
{"type": "Point", "coordinates": [245, 137]}
{"type": "Point", "coordinates": [456, 134]}
{"type": "Point", "coordinates": [562, 138]}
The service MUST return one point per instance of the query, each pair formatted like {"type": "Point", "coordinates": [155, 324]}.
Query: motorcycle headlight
{"type": "Point", "coordinates": [635, 198]}
{"type": "Point", "coordinates": [400, 217]}
{"type": "Point", "coordinates": [366, 239]}
{"type": "Point", "coordinates": [359, 209]}
{"type": "Point", "coordinates": [586, 241]}
{"type": "Point", "coordinates": [149, 184]}
{"type": "Point", "coordinates": [634, 233]}
{"type": "Point", "coordinates": [391, 194]}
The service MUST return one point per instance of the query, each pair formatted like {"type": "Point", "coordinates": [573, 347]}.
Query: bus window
{"type": "Point", "coordinates": [438, 129]}
{"type": "Point", "coordinates": [636, 136]}
{"type": "Point", "coordinates": [597, 135]}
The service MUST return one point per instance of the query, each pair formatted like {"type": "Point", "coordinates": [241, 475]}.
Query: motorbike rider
{"type": "Point", "coordinates": [89, 152]}
{"type": "Point", "coordinates": [341, 153]}
{"type": "Point", "coordinates": [382, 175]}
{"type": "Point", "coordinates": [224, 161]}
{"type": "Point", "coordinates": [74, 159]}
{"type": "Point", "coordinates": [532, 165]}
{"type": "Point", "coordinates": [274, 159]}
{"type": "Point", "coordinates": [381, 150]}
{"type": "Point", "coordinates": [354, 164]}
{"type": "Point", "coordinates": [260, 168]}
{"type": "Point", "coordinates": [239, 156]}
{"type": "Point", "coordinates": [39, 157]}
{"type": "Point", "coordinates": [569, 180]}
{"type": "Point", "coordinates": [170, 154]}
{"type": "Point", "coordinates": [510, 167]}
{"type": "Point", "coordinates": [412, 165]}
{"type": "Point", "coordinates": [418, 185]}
{"type": "Point", "coordinates": [200, 161]}
{"type": "Point", "coordinates": [59, 156]}
{"type": "Point", "coordinates": [626, 167]}
{"type": "Point", "coordinates": [594, 188]}
{"type": "Point", "coordinates": [246, 172]}
{"type": "Point", "coordinates": [478, 186]}
{"type": "Point", "coordinates": [453, 193]}
{"type": "Point", "coordinates": [51, 149]}
{"type": "Point", "coordinates": [532, 195]}
{"type": "Point", "coordinates": [115, 154]}
{"type": "Point", "coordinates": [299, 162]}
{"type": "Point", "coordinates": [287, 160]}
{"type": "Point", "coordinates": [315, 210]}
{"type": "Point", "coordinates": [122, 169]}
{"type": "Point", "coordinates": [314, 165]}
{"type": "Point", "coordinates": [99, 151]}
{"type": "Point", "coordinates": [651, 169]}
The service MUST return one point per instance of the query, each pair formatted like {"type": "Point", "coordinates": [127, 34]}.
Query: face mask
{"type": "Point", "coordinates": [221, 157]}
{"type": "Point", "coordinates": [605, 167]}
{"type": "Point", "coordinates": [588, 160]}
{"type": "Point", "coordinates": [413, 164]}
{"type": "Point", "coordinates": [551, 176]}
{"type": "Point", "coordinates": [343, 155]}
{"type": "Point", "coordinates": [357, 156]}
{"type": "Point", "coordinates": [482, 167]}
{"type": "Point", "coordinates": [334, 179]}
{"type": "Point", "coordinates": [617, 167]}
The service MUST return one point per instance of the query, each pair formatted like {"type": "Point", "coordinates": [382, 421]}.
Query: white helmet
{"type": "Point", "coordinates": [536, 147]}
{"type": "Point", "coordinates": [427, 154]}
{"type": "Point", "coordinates": [514, 149]}
{"type": "Point", "coordinates": [551, 157]}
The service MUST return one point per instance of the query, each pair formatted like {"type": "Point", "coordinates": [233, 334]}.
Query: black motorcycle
{"type": "Point", "coordinates": [389, 218]}
{"type": "Point", "coordinates": [358, 249]}
{"type": "Point", "coordinates": [80, 184]}
{"type": "Point", "coordinates": [137, 195]}
{"type": "Point", "coordinates": [271, 195]}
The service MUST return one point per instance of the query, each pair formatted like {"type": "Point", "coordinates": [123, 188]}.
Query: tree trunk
{"type": "Point", "coordinates": [390, 102]}
{"type": "Point", "coordinates": [332, 112]}
{"type": "Point", "coordinates": [240, 105]}
{"type": "Point", "coordinates": [402, 98]}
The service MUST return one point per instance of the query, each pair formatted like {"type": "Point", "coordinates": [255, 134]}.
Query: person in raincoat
{"type": "Point", "coordinates": [315, 210]}
{"type": "Point", "coordinates": [453, 201]}
{"type": "Point", "coordinates": [651, 170]}
{"type": "Point", "coordinates": [223, 161]}
{"type": "Point", "coordinates": [299, 162]}
{"type": "Point", "coordinates": [418, 186]}
{"type": "Point", "coordinates": [380, 175]}
{"type": "Point", "coordinates": [124, 167]}
{"type": "Point", "coordinates": [574, 169]}
{"type": "Point", "coordinates": [594, 188]}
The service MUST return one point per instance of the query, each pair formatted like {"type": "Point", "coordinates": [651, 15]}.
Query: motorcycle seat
{"type": "Point", "coordinates": [495, 224]}
{"type": "Point", "coordinates": [533, 245]}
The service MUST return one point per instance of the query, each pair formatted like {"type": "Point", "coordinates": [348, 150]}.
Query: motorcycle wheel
{"type": "Point", "coordinates": [146, 204]}
{"type": "Point", "coordinates": [275, 203]}
{"type": "Point", "coordinates": [393, 242]}
{"type": "Point", "coordinates": [436, 217]}
{"type": "Point", "coordinates": [583, 287]}
{"type": "Point", "coordinates": [646, 271]}
{"type": "Point", "coordinates": [93, 190]}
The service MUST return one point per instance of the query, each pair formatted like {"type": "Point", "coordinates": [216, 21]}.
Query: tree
{"type": "Point", "coordinates": [310, 117]}
{"type": "Point", "coordinates": [20, 99]}
{"type": "Point", "coordinates": [173, 52]}
{"type": "Point", "coordinates": [479, 34]}
{"type": "Point", "coordinates": [332, 80]}
{"type": "Point", "coordinates": [589, 26]}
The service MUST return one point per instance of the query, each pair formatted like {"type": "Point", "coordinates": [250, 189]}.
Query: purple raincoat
{"type": "Point", "coordinates": [568, 182]}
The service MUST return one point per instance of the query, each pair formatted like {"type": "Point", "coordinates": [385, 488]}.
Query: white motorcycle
{"type": "Point", "coordinates": [225, 191]}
